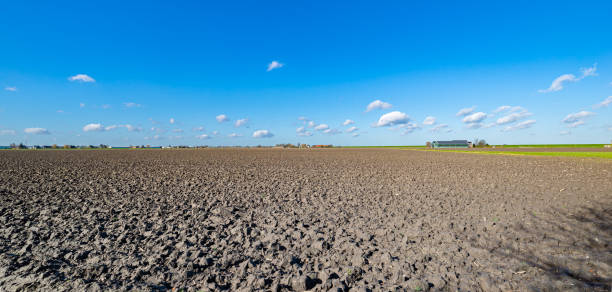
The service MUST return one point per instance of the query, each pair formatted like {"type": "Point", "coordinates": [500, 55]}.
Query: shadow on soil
{"type": "Point", "coordinates": [558, 250]}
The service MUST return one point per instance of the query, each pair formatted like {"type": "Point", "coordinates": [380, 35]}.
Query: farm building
{"type": "Point", "coordinates": [452, 144]}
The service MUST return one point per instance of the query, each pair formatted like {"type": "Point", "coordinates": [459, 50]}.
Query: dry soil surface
{"type": "Point", "coordinates": [283, 220]}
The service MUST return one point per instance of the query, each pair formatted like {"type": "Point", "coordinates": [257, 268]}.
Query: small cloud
{"type": "Point", "coordinates": [234, 135]}
{"type": "Point", "coordinates": [305, 119]}
{"type": "Point", "coordinates": [475, 117]}
{"type": "Point", "coordinates": [557, 84]}
{"type": "Point", "coordinates": [93, 128]}
{"type": "Point", "coordinates": [513, 117]}
{"type": "Point", "coordinates": [429, 121]}
{"type": "Point", "coordinates": [439, 128]}
{"type": "Point", "coordinates": [352, 129]}
{"type": "Point", "coordinates": [465, 111]}
{"type": "Point", "coordinates": [474, 126]}
{"type": "Point", "coordinates": [321, 127]}
{"type": "Point", "coordinates": [132, 128]}
{"type": "Point", "coordinates": [111, 127]}
{"type": "Point", "coordinates": [565, 133]}
{"type": "Point", "coordinates": [576, 124]}
{"type": "Point", "coordinates": [203, 137]}
{"type": "Point", "coordinates": [391, 119]}
{"type": "Point", "coordinates": [222, 118]}
{"type": "Point", "coordinates": [311, 124]}
{"type": "Point", "coordinates": [305, 134]}
{"type": "Point", "coordinates": [7, 132]}
{"type": "Point", "coordinates": [409, 128]}
{"type": "Point", "coordinates": [521, 125]}
{"type": "Point", "coordinates": [131, 104]}
{"type": "Point", "coordinates": [348, 122]}
{"type": "Point", "coordinates": [59, 111]}
{"type": "Point", "coordinates": [177, 131]}
{"type": "Point", "coordinates": [81, 105]}
{"type": "Point", "coordinates": [198, 129]}
{"type": "Point", "coordinates": [300, 130]}
{"type": "Point", "coordinates": [81, 78]}
{"type": "Point", "coordinates": [37, 131]}
{"type": "Point", "coordinates": [215, 133]}
{"type": "Point", "coordinates": [502, 108]}
{"type": "Point", "coordinates": [331, 132]}
{"type": "Point", "coordinates": [274, 65]}
{"type": "Point", "coordinates": [571, 118]}
{"type": "Point", "coordinates": [172, 121]}
{"type": "Point", "coordinates": [377, 104]}
{"type": "Point", "coordinates": [106, 106]}
{"type": "Point", "coordinates": [262, 134]}
{"type": "Point", "coordinates": [604, 103]}
{"type": "Point", "coordinates": [240, 122]}
{"type": "Point", "coordinates": [156, 137]}
{"type": "Point", "coordinates": [355, 135]}
{"type": "Point", "coordinates": [11, 88]}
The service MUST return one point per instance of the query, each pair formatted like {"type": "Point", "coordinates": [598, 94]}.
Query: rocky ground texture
{"type": "Point", "coordinates": [295, 220]}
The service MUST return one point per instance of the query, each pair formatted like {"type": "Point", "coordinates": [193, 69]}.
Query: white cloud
{"type": "Point", "coordinates": [576, 124]}
{"type": "Point", "coordinates": [262, 134]}
{"type": "Point", "coordinates": [571, 118]}
{"type": "Point", "coordinates": [513, 117]}
{"type": "Point", "coordinates": [198, 129]}
{"type": "Point", "coordinates": [348, 122]}
{"type": "Point", "coordinates": [81, 78]}
{"type": "Point", "coordinates": [475, 117]}
{"type": "Point", "coordinates": [305, 134]}
{"type": "Point", "coordinates": [172, 121]}
{"type": "Point", "coordinates": [93, 128]}
{"type": "Point", "coordinates": [557, 84]}
{"type": "Point", "coordinates": [131, 104]}
{"type": "Point", "coordinates": [377, 104]}
{"type": "Point", "coordinates": [36, 131]}
{"type": "Point", "coordinates": [300, 130]}
{"type": "Point", "coordinates": [591, 71]}
{"type": "Point", "coordinates": [241, 122]}
{"type": "Point", "coordinates": [234, 135]}
{"type": "Point", "coordinates": [215, 133]}
{"type": "Point", "coordinates": [274, 65]}
{"type": "Point", "coordinates": [203, 137]}
{"type": "Point", "coordinates": [321, 127]}
{"type": "Point", "coordinates": [7, 132]}
{"type": "Point", "coordinates": [429, 121]}
{"type": "Point", "coordinates": [133, 129]}
{"type": "Point", "coordinates": [352, 129]}
{"type": "Point", "coordinates": [391, 119]}
{"type": "Point", "coordinates": [564, 133]}
{"type": "Point", "coordinates": [331, 131]}
{"type": "Point", "coordinates": [409, 128]}
{"type": "Point", "coordinates": [311, 124]}
{"type": "Point", "coordinates": [502, 108]}
{"type": "Point", "coordinates": [522, 125]}
{"type": "Point", "coordinates": [355, 135]}
{"type": "Point", "coordinates": [111, 127]}
{"type": "Point", "coordinates": [156, 137]}
{"type": "Point", "coordinates": [439, 127]}
{"type": "Point", "coordinates": [465, 111]}
{"type": "Point", "coordinates": [303, 119]}
{"type": "Point", "coordinates": [10, 88]}
{"type": "Point", "coordinates": [222, 118]}
{"type": "Point", "coordinates": [604, 103]}
{"type": "Point", "coordinates": [474, 126]}
{"type": "Point", "coordinates": [489, 125]}
{"type": "Point", "coordinates": [81, 105]}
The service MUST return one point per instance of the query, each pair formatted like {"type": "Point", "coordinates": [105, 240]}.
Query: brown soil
{"type": "Point", "coordinates": [268, 219]}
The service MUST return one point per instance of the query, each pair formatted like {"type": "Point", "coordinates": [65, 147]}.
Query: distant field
{"type": "Point", "coordinates": [382, 146]}
{"type": "Point", "coordinates": [553, 146]}
{"type": "Point", "coordinates": [607, 155]}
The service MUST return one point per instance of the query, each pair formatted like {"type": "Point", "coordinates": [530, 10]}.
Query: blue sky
{"type": "Point", "coordinates": [162, 73]}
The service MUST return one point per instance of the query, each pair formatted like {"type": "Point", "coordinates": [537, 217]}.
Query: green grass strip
{"type": "Point", "coordinates": [607, 155]}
